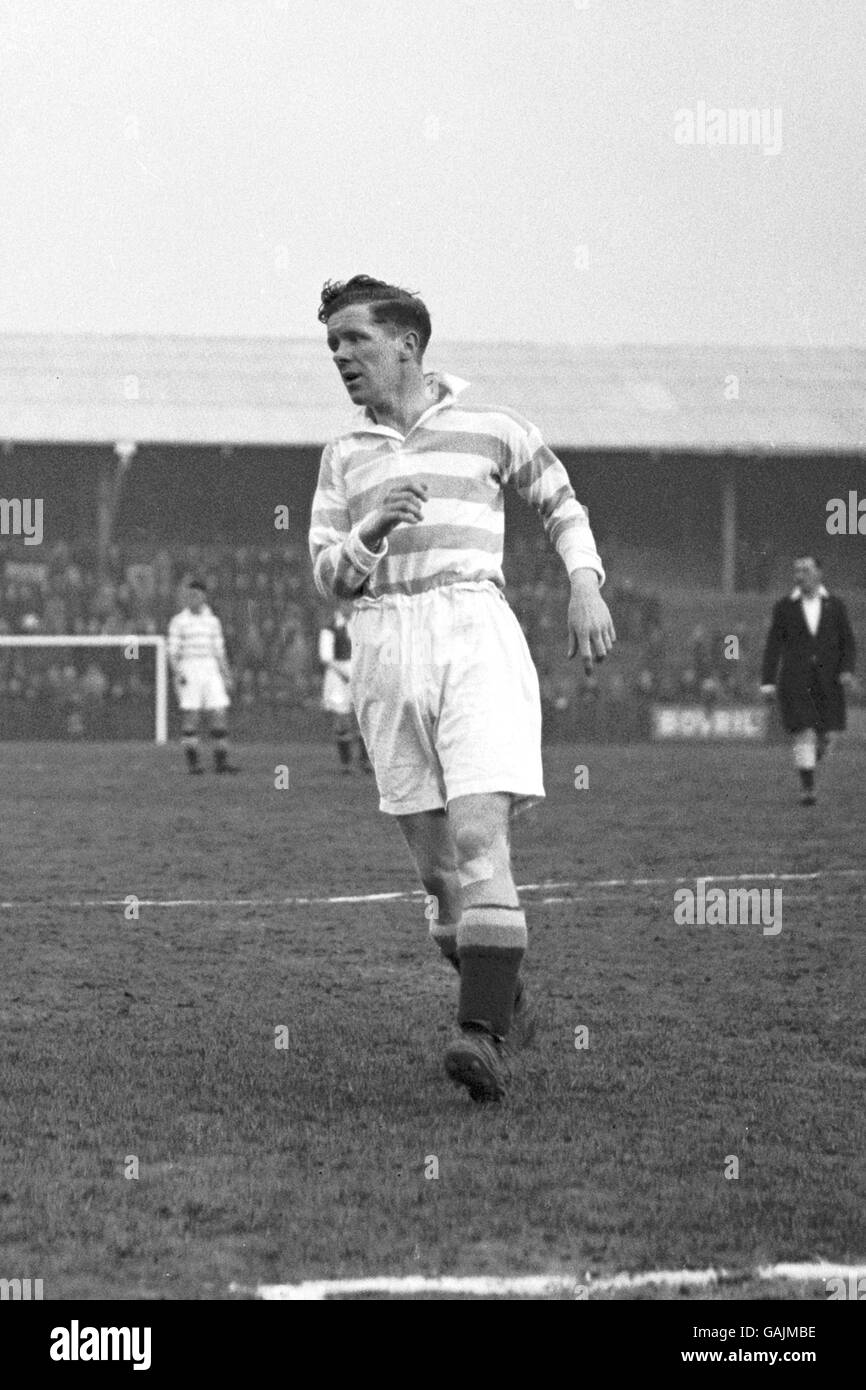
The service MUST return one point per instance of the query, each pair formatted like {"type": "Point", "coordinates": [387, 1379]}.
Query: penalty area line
{"type": "Point", "coordinates": [539, 1285]}
{"type": "Point", "coordinates": [569, 888]}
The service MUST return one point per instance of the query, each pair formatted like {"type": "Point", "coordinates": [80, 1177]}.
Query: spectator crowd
{"type": "Point", "coordinates": [271, 616]}
{"type": "Point", "coordinates": [264, 598]}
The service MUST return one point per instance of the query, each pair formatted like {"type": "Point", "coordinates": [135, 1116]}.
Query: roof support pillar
{"type": "Point", "coordinates": [108, 484]}
{"type": "Point", "coordinates": [729, 526]}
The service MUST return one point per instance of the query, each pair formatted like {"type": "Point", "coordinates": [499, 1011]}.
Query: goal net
{"type": "Point", "coordinates": [91, 687]}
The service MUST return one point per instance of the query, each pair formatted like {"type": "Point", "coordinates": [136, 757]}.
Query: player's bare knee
{"type": "Point", "coordinates": [482, 853]}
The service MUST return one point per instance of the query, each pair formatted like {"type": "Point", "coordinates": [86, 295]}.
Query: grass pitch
{"type": "Point", "coordinates": [148, 1044]}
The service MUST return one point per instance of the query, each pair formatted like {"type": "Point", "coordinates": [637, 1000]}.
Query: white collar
{"type": "Point", "coordinates": [820, 592]}
{"type": "Point", "coordinates": [446, 383]}
{"type": "Point", "coordinates": [443, 388]}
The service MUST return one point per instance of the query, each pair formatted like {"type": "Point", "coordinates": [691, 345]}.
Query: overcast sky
{"type": "Point", "coordinates": [200, 166]}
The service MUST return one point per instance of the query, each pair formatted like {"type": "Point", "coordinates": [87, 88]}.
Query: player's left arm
{"type": "Point", "coordinates": [590, 627]}
{"type": "Point", "coordinates": [219, 651]}
{"type": "Point", "coordinates": [540, 478]}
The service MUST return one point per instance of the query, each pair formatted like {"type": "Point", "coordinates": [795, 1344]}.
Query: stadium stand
{"type": "Point", "coordinates": [699, 494]}
{"type": "Point", "coordinates": [671, 645]}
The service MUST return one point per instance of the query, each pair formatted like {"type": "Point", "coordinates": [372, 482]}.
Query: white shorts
{"type": "Point", "coordinates": [446, 696]}
{"type": "Point", "coordinates": [203, 687]}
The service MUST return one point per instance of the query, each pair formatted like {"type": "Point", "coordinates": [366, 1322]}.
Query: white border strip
{"type": "Point", "coordinates": [407, 896]}
{"type": "Point", "coordinates": [317, 1290]}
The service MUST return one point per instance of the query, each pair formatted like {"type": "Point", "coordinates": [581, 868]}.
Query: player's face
{"type": "Point", "coordinates": [368, 355]}
{"type": "Point", "coordinates": [807, 575]}
{"type": "Point", "coordinates": [195, 599]}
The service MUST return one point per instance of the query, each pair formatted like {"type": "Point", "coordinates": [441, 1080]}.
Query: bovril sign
{"type": "Point", "coordinates": [745, 722]}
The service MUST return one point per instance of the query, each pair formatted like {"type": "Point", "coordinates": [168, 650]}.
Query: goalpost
{"type": "Point", "coordinates": [132, 642]}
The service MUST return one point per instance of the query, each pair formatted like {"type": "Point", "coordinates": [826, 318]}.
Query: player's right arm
{"type": "Point", "coordinates": [344, 556]}
{"type": "Point", "coordinates": [175, 648]}
{"type": "Point", "coordinates": [401, 504]}
{"type": "Point", "coordinates": [773, 652]}
{"type": "Point", "coordinates": [327, 647]}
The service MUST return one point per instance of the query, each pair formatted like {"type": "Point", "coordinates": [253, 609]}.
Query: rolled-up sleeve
{"type": "Point", "coordinates": [341, 560]}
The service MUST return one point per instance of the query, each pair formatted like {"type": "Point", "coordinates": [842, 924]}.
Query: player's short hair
{"type": "Point", "coordinates": [819, 564]}
{"type": "Point", "coordinates": [388, 304]}
{"type": "Point", "coordinates": [197, 584]}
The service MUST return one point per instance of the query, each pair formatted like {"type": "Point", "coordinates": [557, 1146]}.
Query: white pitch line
{"type": "Point", "coordinates": [316, 1290]}
{"type": "Point", "coordinates": [691, 878]}
{"type": "Point", "coordinates": [588, 898]}
{"type": "Point", "coordinates": [408, 895]}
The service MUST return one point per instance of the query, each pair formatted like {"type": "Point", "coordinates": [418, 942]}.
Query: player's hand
{"type": "Point", "coordinates": [848, 680]}
{"type": "Point", "coordinates": [401, 505]}
{"type": "Point", "coordinates": [769, 693]}
{"type": "Point", "coordinates": [590, 626]}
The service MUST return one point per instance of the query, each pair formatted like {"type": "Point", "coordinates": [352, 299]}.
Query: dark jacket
{"type": "Point", "coordinates": [806, 669]}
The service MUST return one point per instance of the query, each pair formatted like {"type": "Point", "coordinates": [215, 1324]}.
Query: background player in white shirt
{"type": "Point", "coordinates": [196, 654]}
{"type": "Point", "coordinates": [335, 654]}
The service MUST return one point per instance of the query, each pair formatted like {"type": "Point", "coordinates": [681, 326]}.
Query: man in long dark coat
{"type": "Point", "coordinates": [809, 664]}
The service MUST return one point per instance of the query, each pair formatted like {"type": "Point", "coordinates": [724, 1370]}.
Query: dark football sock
{"type": "Point", "coordinates": [445, 936]}
{"type": "Point", "coordinates": [807, 779]}
{"type": "Point", "coordinates": [448, 947]}
{"type": "Point", "coordinates": [449, 951]}
{"type": "Point", "coordinates": [491, 944]}
{"type": "Point", "coordinates": [220, 749]}
{"type": "Point", "coordinates": [190, 749]}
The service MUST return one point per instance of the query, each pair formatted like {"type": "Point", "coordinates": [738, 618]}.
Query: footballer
{"type": "Point", "coordinates": [335, 655]}
{"type": "Point", "coordinates": [408, 523]}
{"type": "Point", "coordinates": [197, 657]}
